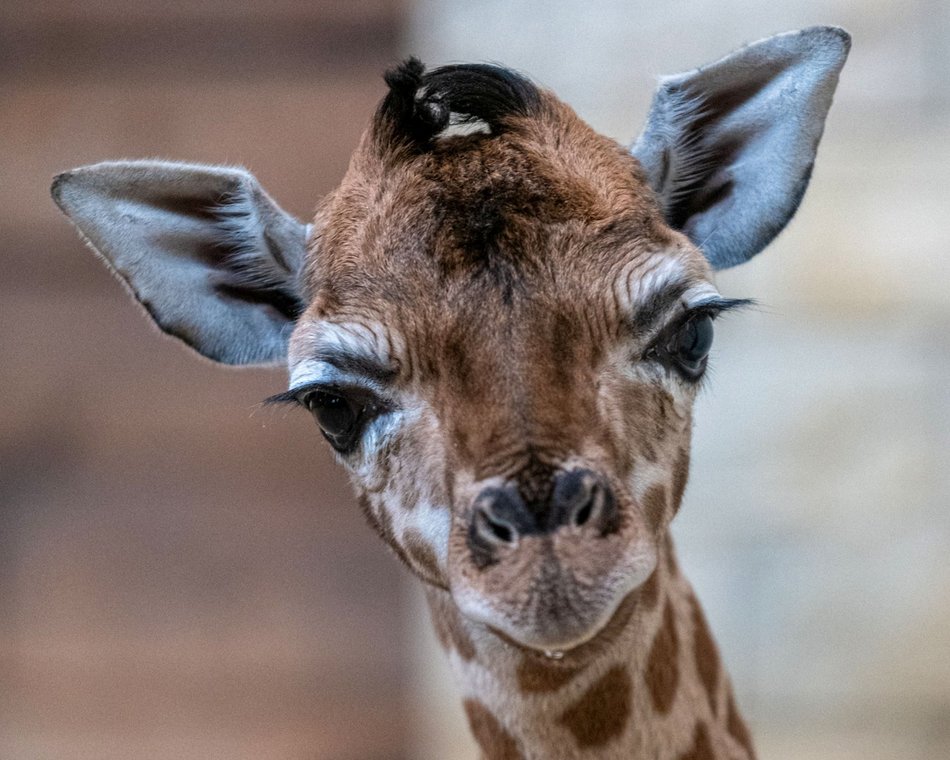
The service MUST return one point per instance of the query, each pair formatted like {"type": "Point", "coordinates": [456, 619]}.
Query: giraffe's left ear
{"type": "Point", "coordinates": [208, 253]}
{"type": "Point", "coordinates": [728, 148]}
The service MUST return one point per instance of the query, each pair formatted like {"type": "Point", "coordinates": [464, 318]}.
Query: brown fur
{"type": "Point", "coordinates": [601, 713]}
{"type": "Point", "coordinates": [654, 506]}
{"type": "Point", "coordinates": [663, 670]}
{"type": "Point", "coordinates": [535, 675]}
{"type": "Point", "coordinates": [706, 654]}
{"type": "Point", "coordinates": [671, 567]}
{"type": "Point", "coordinates": [449, 628]}
{"type": "Point", "coordinates": [496, 743]}
{"type": "Point", "coordinates": [702, 748]}
{"type": "Point", "coordinates": [680, 476]}
{"type": "Point", "coordinates": [649, 592]}
{"type": "Point", "coordinates": [421, 554]}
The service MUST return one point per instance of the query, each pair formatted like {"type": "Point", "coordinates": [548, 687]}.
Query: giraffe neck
{"type": "Point", "coordinates": [649, 686]}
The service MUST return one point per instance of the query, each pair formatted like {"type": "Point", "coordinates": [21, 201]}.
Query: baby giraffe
{"type": "Point", "coordinates": [501, 331]}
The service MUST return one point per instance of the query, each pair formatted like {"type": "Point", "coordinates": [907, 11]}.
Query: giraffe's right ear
{"type": "Point", "coordinates": [204, 249]}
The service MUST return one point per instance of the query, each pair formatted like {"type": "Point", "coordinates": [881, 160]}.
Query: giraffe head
{"type": "Point", "coordinates": [500, 330]}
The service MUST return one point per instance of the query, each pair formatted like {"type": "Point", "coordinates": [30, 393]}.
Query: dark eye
{"type": "Point", "coordinates": [690, 345]}
{"type": "Point", "coordinates": [340, 418]}
{"type": "Point", "coordinates": [685, 346]}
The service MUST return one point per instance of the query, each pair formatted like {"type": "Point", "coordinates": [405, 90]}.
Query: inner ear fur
{"type": "Point", "coordinates": [728, 148]}
{"type": "Point", "coordinates": [212, 258]}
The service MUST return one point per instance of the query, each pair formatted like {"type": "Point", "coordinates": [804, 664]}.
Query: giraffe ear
{"type": "Point", "coordinates": [728, 148]}
{"type": "Point", "coordinates": [204, 249]}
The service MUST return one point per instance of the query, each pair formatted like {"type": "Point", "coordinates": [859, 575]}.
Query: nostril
{"type": "Point", "coordinates": [493, 528]}
{"type": "Point", "coordinates": [583, 499]}
{"type": "Point", "coordinates": [583, 514]}
{"type": "Point", "coordinates": [498, 520]}
{"type": "Point", "coordinates": [589, 506]}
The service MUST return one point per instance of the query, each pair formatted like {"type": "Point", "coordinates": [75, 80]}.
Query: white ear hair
{"type": "Point", "coordinates": [204, 249]}
{"type": "Point", "coordinates": [728, 148]}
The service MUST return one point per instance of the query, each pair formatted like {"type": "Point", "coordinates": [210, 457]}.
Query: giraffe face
{"type": "Point", "coordinates": [501, 335]}
{"type": "Point", "coordinates": [503, 344]}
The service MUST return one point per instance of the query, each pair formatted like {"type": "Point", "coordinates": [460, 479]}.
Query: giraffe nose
{"type": "Point", "coordinates": [499, 518]}
{"type": "Point", "coordinates": [579, 498]}
{"type": "Point", "coordinates": [583, 498]}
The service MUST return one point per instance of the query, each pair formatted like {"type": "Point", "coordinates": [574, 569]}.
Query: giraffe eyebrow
{"type": "Point", "coordinates": [658, 303]}
{"type": "Point", "coordinates": [336, 367]}
{"type": "Point", "coordinates": [347, 369]}
{"type": "Point", "coordinates": [661, 301]}
{"type": "Point", "coordinates": [359, 363]}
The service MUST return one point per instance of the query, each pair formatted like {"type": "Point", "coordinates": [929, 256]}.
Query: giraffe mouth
{"type": "Point", "coordinates": [599, 639]}
{"type": "Point", "coordinates": [542, 601]}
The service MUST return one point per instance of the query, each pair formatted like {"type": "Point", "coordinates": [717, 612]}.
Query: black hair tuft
{"type": "Point", "coordinates": [419, 104]}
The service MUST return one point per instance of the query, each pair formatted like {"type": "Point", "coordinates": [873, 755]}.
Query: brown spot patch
{"type": "Point", "coordinates": [662, 673]}
{"type": "Point", "coordinates": [738, 728]}
{"type": "Point", "coordinates": [421, 553]}
{"type": "Point", "coordinates": [449, 626]}
{"type": "Point", "coordinates": [654, 506]}
{"type": "Point", "coordinates": [495, 741]}
{"type": "Point", "coordinates": [535, 676]}
{"type": "Point", "coordinates": [384, 524]}
{"type": "Point", "coordinates": [367, 508]}
{"type": "Point", "coordinates": [671, 557]}
{"type": "Point", "coordinates": [702, 747]}
{"type": "Point", "coordinates": [650, 591]}
{"type": "Point", "coordinates": [602, 712]}
{"type": "Point", "coordinates": [680, 476]}
{"type": "Point", "coordinates": [707, 656]}
{"type": "Point", "coordinates": [441, 629]}
{"type": "Point", "coordinates": [642, 404]}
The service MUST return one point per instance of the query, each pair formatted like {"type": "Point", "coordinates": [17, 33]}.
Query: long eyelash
{"type": "Point", "coordinates": [716, 306]}
{"type": "Point", "coordinates": [293, 396]}
{"type": "Point", "coordinates": [287, 397]}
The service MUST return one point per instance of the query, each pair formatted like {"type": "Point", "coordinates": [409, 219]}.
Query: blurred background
{"type": "Point", "coordinates": [183, 575]}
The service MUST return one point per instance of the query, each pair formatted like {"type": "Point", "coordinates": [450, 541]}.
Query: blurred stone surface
{"type": "Point", "coordinates": [183, 574]}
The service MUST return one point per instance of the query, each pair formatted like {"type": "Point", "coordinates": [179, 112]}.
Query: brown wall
{"type": "Point", "coordinates": [182, 574]}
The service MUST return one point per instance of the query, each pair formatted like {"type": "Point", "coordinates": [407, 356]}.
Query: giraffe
{"type": "Point", "coordinates": [500, 331]}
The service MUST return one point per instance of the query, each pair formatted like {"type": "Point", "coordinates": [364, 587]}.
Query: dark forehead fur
{"type": "Point", "coordinates": [418, 212]}
{"type": "Point", "coordinates": [420, 104]}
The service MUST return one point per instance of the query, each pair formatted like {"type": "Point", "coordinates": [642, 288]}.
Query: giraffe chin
{"type": "Point", "coordinates": [559, 612]}
{"type": "Point", "coordinates": [555, 643]}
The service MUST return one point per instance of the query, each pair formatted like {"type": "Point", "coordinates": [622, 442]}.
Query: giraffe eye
{"type": "Point", "coordinates": [339, 418]}
{"type": "Point", "coordinates": [689, 346]}
{"type": "Point", "coordinates": [685, 346]}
